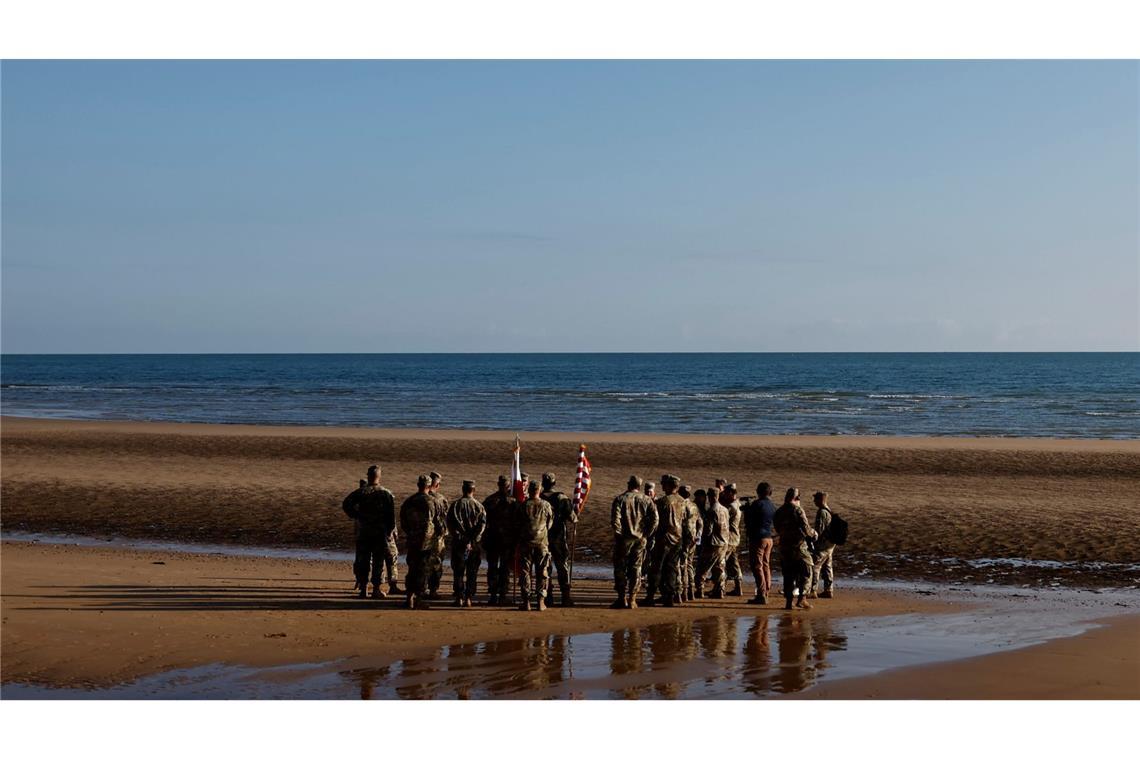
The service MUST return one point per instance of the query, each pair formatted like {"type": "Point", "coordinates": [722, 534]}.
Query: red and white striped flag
{"type": "Point", "coordinates": [582, 482]}
{"type": "Point", "coordinates": [516, 473]}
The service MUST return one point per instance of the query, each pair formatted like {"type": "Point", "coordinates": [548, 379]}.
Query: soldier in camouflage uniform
{"type": "Point", "coordinates": [633, 518]}
{"type": "Point", "coordinates": [822, 566]}
{"type": "Point", "coordinates": [665, 563]}
{"type": "Point", "coordinates": [373, 508]}
{"type": "Point", "coordinates": [421, 521]}
{"type": "Point", "coordinates": [795, 559]}
{"type": "Point", "coordinates": [732, 569]}
{"type": "Point", "coordinates": [434, 568]}
{"type": "Point", "coordinates": [714, 546]}
{"type": "Point", "coordinates": [467, 520]}
{"type": "Point", "coordinates": [534, 521]}
{"type": "Point", "coordinates": [565, 515]}
{"type": "Point", "coordinates": [499, 540]}
{"type": "Point", "coordinates": [690, 540]}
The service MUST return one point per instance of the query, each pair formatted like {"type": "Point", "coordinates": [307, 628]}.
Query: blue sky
{"type": "Point", "coordinates": [570, 206]}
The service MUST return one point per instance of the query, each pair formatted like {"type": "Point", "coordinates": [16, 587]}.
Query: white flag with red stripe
{"type": "Point", "coordinates": [582, 482]}
{"type": "Point", "coordinates": [516, 472]}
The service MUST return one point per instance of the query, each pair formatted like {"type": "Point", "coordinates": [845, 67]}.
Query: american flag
{"type": "Point", "coordinates": [582, 483]}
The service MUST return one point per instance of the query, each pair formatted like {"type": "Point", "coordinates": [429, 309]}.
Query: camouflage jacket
{"type": "Point", "coordinates": [501, 526]}
{"type": "Point", "coordinates": [633, 515]}
{"type": "Point", "coordinates": [534, 520]}
{"type": "Point", "coordinates": [564, 514]}
{"type": "Point", "coordinates": [692, 526]}
{"type": "Point", "coordinates": [467, 519]}
{"type": "Point", "coordinates": [670, 518]}
{"type": "Point", "coordinates": [792, 526]}
{"type": "Point", "coordinates": [443, 507]}
{"type": "Point", "coordinates": [374, 509]}
{"type": "Point", "coordinates": [733, 523]}
{"type": "Point", "coordinates": [422, 521]}
{"type": "Point", "coordinates": [717, 526]}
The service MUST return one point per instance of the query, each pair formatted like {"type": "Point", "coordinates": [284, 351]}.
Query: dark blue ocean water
{"type": "Point", "coordinates": [1082, 395]}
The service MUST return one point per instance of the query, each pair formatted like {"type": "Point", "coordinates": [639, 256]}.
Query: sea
{"type": "Point", "coordinates": [1064, 395]}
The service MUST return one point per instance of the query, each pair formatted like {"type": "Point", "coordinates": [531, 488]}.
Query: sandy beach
{"type": "Point", "coordinates": [1036, 511]}
{"type": "Point", "coordinates": [1026, 517]}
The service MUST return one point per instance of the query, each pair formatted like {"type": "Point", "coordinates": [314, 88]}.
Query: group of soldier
{"type": "Point", "coordinates": [675, 542]}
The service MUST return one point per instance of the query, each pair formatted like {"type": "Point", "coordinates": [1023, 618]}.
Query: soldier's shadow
{"type": "Point", "coordinates": [284, 595]}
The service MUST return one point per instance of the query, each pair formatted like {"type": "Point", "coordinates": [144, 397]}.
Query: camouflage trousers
{"type": "Point", "coordinates": [560, 558]}
{"type": "Point", "coordinates": [732, 571]}
{"type": "Point", "coordinates": [500, 558]}
{"type": "Point", "coordinates": [370, 555]}
{"type": "Point", "coordinates": [534, 570]}
{"type": "Point", "coordinates": [710, 561]}
{"type": "Point", "coordinates": [465, 561]}
{"type": "Point", "coordinates": [392, 560]}
{"type": "Point", "coordinates": [664, 574]}
{"type": "Point", "coordinates": [434, 568]}
{"type": "Point", "coordinates": [689, 567]}
{"type": "Point", "coordinates": [417, 570]}
{"type": "Point", "coordinates": [629, 553]}
{"type": "Point", "coordinates": [822, 567]}
{"type": "Point", "coordinates": [795, 564]}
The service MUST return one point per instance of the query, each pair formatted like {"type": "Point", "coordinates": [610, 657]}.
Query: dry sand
{"type": "Point", "coordinates": [918, 507]}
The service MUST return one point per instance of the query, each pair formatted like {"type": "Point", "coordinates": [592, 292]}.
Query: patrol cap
{"type": "Point", "coordinates": [634, 482]}
{"type": "Point", "coordinates": [532, 486]}
{"type": "Point", "coordinates": [468, 485]}
{"type": "Point", "coordinates": [504, 479]}
{"type": "Point", "coordinates": [668, 479]}
{"type": "Point", "coordinates": [374, 470]}
{"type": "Point", "coordinates": [423, 480]}
{"type": "Point", "coordinates": [730, 487]}
{"type": "Point", "coordinates": [547, 479]}
{"type": "Point", "coordinates": [684, 490]}
{"type": "Point", "coordinates": [435, 476]}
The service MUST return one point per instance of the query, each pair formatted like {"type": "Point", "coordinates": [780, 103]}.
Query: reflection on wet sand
{"type": "Point", "coordinates": [668, 661]}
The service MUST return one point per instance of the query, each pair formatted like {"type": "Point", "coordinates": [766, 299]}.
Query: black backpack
{"type": "Point", "coordinates": [837, 530]}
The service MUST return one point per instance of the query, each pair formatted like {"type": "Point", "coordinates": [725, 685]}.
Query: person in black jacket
{"type": "Point", "coordinates": [373, 508]}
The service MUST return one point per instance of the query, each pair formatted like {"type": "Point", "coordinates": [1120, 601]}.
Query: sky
{"type": "Point", "coordinates": [392, 206]}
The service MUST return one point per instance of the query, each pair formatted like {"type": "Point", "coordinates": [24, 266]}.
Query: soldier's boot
{"type": "Point", "coordinates": [619, 604]}
{"type": "Point", "coordinates": [649, 601]}
{"type": "Point", "coordinates": [363, 593]}
{"type": "Point", "coordinates": [811, 594]}
{"type": "Point", "coordinates": [717, 593]}
{"type": "Point", "coordinates": [458, 601]}
{"type": "Point", "coordinates": [566, 600]}
{"type": "Point", "coordinates": [410, 601]}
{"type": "Point", "coordinates": [667, 599]}
{"type": "Point", "coordinates": [421, 604]}
{"type": "Point", "coordinates": [803, 604]}
{"type": "Point", "coordinates": [788, 603]}
{"type": "Point", "coordinates": [826, 594]}
{"type": "Point", "coordinates": [493, 600]}
{"type": "Point", "coordinates": [542, 604]}
{"type": "Point", "coordinates": [378, 591]}
{"type": "Point", "coordinates": [699, 591]}
{"type": "Point", "coordinates": [631, 602]}
{"type": "Point", "coordinates": [525, 606]}
{"type": "Point", "coordinates": [735, 589]}
{"type": "Point", "coordinates": [393, 588]}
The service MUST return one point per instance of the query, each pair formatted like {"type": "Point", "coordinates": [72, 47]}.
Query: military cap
{"type": "Point", "coordinates": [547, 479]}
{"type": "Point", "coordinates": [468, 485]}
{"type": "Point", "coordinates": [532, 486]}
{"type": "Point", "coordinates": [435, 476]}
{"type": "Point", "coordinates": [373, 470]}
{"type": "Point", "coordinates": [634, 482]}
{"type": "Point", "coordinates": [668, 479]}
{"type": "Point", "coordinates": [504, 479]}
{"type": "Point", "coordinates": [423, 480]}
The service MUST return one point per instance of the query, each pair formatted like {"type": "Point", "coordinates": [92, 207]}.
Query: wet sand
{"type": "Point", "coordinates": [93, 620]}
{"type": "Point", "coordinates": [75, 616]}
{"type": "Point", "coordinates": [944, 509]}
